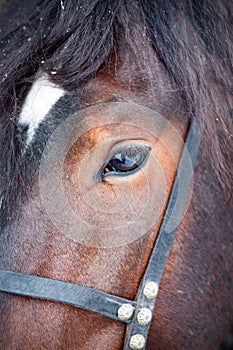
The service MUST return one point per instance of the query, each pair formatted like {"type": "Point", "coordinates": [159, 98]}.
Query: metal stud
{"type": "Point", "coordinates": [137, 342]}
{"type": "Point", "coordinates": [144, 316]}
{"type": "Point", "coordinates": [150, 290]}
{"type": "Point", "coordinates": [125, 311]}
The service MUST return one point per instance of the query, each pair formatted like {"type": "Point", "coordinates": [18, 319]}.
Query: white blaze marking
{"type": "Point", "coordinates": [42, 96]}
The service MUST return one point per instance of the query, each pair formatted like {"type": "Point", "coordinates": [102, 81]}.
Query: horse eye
{"type": "Point", "coordinates": [126, 161]}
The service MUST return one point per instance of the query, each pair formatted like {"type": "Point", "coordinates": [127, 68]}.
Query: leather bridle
{"type": "Point", "coordinates": [139, 312]}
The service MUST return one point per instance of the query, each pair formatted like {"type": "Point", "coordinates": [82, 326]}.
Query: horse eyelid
{"type": "Point", "coordinates": [137, 147]}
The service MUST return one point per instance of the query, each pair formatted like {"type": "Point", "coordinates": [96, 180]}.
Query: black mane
{"type": "Point", "coordinates": [76, 39]}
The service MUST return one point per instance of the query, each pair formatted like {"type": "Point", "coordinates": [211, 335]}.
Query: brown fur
{"type": "Point", "coordinates": [194, 307]}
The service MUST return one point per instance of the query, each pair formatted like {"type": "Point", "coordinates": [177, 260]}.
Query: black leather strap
{"type": "Point", "coordinates": [172, 218]}
{"type": "Point", "coordinates": [68, 293]}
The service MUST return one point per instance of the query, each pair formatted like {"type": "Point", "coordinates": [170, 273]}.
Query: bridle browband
{"type": "Point", "coordinates": [138, 313]}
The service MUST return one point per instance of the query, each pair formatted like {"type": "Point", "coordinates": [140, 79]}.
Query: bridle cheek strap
{"type": "Point", "coordinates": [137, 330]}
{"type": "Point", "coordinates": [138, 313]}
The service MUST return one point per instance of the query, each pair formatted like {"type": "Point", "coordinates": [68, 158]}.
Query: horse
{"type": "Point", "coordinates": [99, 102]}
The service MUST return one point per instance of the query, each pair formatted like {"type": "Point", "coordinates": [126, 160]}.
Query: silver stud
{"type": "Point", "coordinates": [150, 290]}
{"type": "Point", "coordinates": [137, 342]}
{"type": "Point", "coordinates": [125, 311]}
{"type": "Point", "coordinates": [144, 316]}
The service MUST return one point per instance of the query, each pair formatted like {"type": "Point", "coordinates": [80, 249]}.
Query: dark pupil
{"type": "Point", "coordinates": [121, 163]}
